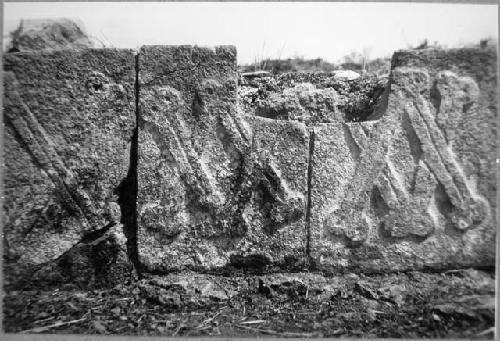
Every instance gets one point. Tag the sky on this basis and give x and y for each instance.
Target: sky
(328, 30)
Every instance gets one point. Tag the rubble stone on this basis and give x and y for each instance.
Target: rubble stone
(303, 103)
(50, 34)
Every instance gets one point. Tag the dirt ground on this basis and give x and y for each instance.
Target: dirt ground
(452, 304)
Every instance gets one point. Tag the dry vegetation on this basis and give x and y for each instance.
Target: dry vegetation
(400, 305)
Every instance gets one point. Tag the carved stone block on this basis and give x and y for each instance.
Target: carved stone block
(69, 118)
(202, 166)
(420, 194)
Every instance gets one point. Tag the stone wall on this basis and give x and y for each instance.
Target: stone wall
(198, 175)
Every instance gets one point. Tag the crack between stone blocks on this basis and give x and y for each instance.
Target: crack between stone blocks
(309, 193)
(128, 188)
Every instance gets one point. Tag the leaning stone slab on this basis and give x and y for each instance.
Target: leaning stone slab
(199, 175)
(421, 193)
(69, 118)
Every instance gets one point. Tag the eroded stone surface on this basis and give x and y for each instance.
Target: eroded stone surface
(303, 103)
(202, 165)
(411, 186)
(336, 155)
(310, 97)
(420, 194)
(96, 261)
(188, 106)
(281, 150)
(50, 34)
(69, 118)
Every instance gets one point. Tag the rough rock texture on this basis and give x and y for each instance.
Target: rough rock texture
(344, 174)
(99, 260)
(190, 154)
(336, 154)
(303, 103)
(280, 188)
(69, 118)
(50, 34)
(422, 193)
(200, 167)
(310, 97)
